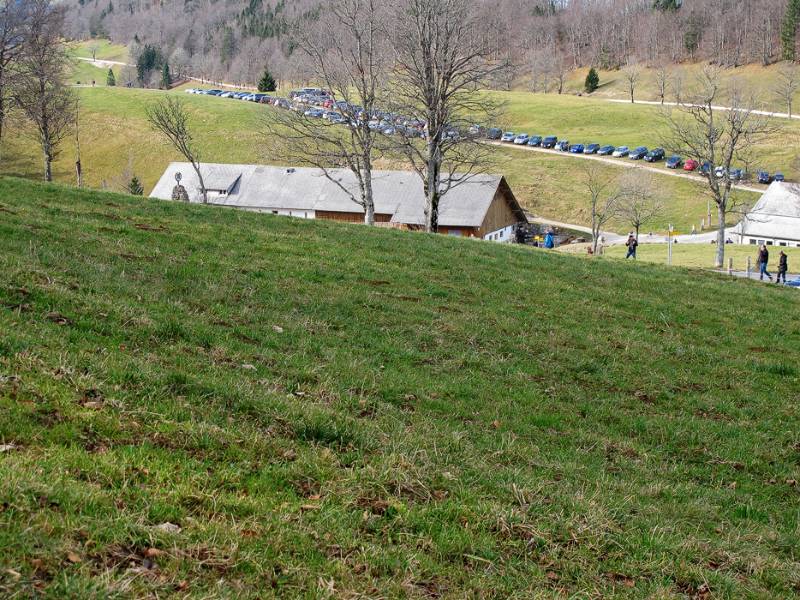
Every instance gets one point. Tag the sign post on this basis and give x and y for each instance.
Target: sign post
(669, 245)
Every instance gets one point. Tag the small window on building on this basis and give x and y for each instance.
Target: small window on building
(502, 233)
(781, 243)
(456, 232)
(769, 242)
(752, 242)
(274, 212)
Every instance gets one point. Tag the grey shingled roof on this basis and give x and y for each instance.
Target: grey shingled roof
(397, 193)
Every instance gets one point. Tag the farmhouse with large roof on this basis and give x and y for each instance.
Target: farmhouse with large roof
(482, 206)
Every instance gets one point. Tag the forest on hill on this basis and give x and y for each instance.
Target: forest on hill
(235, 40)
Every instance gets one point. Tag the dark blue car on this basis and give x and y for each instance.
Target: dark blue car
(778, 177)
(705, 168)
(576, 149)
(549, 141)
(674, 162)
(638, 153)
(763, 177)
(535, 140)
(606, 150)
(654, 155)
(591, 149)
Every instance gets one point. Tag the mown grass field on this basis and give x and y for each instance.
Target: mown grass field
(702, 255)
(199, 402)
(694, 255)
(762, 80)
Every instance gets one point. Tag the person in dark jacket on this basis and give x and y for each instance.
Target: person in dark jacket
(632, 243)
(763, 259)
(783, 266)
(549, 243)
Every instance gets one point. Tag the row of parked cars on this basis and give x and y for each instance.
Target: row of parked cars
(319, 104)
(638, 153)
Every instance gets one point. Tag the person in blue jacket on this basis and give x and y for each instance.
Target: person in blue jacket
(548, 240)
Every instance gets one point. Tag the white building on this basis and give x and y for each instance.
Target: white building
(774, 220)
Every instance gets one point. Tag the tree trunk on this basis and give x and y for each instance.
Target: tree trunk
(369, 200)
(48, 167)
(2, 122)
(719, 259)
(432, 193)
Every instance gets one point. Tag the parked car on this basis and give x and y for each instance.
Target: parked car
(521, 139)
(690, 164)
(736, 174)
(638, 153)
(778, 177)
(719, 172)
(620, 152)
(535, 140)
(705, 168)
(591, 149)
(763, 177)
(213, 92)
(576, 149)
(674, 162)
(508, 136)
(495, 133)
(315, 113)
(226, 95)
(474, 130)
(606, 150)
(191, 90)
(654, 155)
(549, 142)
(562, 145)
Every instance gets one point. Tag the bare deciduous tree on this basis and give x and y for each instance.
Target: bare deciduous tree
(676, 82)
(632, 72)
(639, 202)
(442, 64)
(662, 78)
(349, 54)
(12, 39)
(39, 89)
(603, 196)
(787, 85)
(717, 137)
(170, 117)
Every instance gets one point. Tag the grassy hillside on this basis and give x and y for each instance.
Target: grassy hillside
(199, 402)
(114, 132)
(613, 84)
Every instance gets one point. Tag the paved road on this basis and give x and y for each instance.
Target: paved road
(765, 113)
(790, 278)
(623, 162)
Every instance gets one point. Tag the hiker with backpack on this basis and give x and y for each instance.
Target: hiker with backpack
(783, 266)
(763, 259)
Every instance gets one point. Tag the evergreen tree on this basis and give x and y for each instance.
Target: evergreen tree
(592, 81)
(789, 29)
(166, 78)
(135, 186)
(267, 82)
(110, 79)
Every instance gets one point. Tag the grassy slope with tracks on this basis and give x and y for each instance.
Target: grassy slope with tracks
(331, 409)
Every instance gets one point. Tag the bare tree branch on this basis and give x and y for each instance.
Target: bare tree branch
(39, 88)
(443, 62)
(170, 117)
(349, 55)
(716, 138)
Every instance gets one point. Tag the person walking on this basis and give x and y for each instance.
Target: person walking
(783, 266)
(632, 243)
(763, 259)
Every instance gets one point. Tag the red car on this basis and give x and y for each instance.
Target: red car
(690, 164)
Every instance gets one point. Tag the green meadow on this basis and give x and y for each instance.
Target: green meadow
(198, 402)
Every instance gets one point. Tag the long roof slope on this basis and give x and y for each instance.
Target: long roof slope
(776, 214)
(396, 193)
